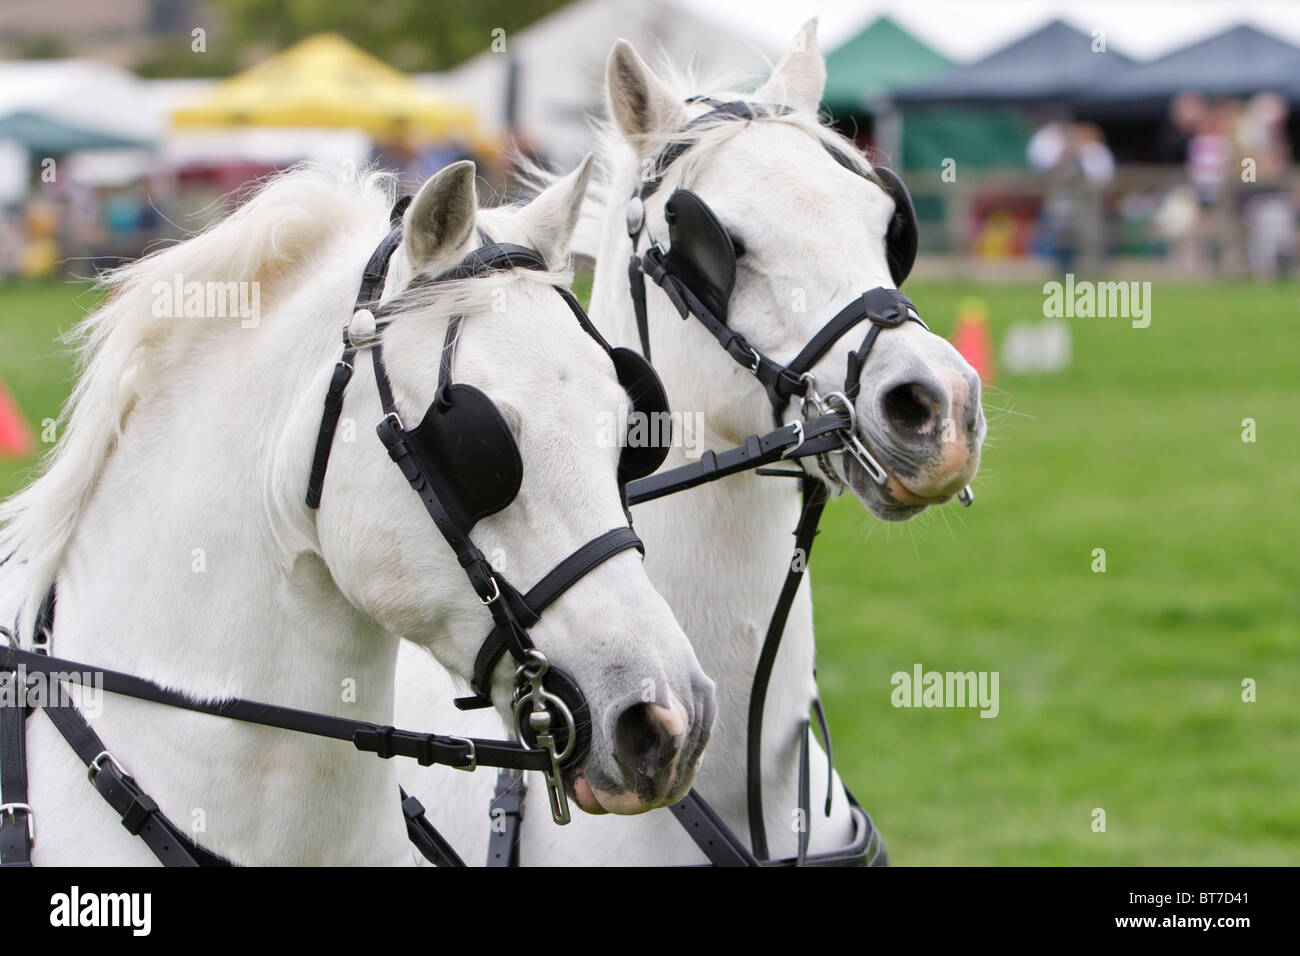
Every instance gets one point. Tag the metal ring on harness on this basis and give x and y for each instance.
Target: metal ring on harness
(541, 703)
(852, 445)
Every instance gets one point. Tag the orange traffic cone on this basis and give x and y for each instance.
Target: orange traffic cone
(16, 438)
(971, 337)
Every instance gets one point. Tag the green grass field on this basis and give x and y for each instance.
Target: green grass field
(1119, 690)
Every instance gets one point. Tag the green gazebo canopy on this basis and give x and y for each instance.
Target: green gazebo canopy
(884, 58)
(45, 135)
(875, 62)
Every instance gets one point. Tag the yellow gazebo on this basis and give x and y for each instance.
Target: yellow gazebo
(326, 81)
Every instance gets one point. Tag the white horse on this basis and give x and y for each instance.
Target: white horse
(172, 516)
(812, 238)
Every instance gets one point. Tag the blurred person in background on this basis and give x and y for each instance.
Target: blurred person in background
(1177, 220)
(40, 252)
(1214, 242)
(1266, 209)
(1187, 111)
(12, 239)
(1079, 167)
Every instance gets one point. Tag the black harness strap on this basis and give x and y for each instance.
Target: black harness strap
(507, 814)
(779, 382)
(17, 828)
(17, 819)
(328, 425)
(140, 814)
(372, 287)
(431, 844)
(382, 740)
(540, 596)
(710, 833)
(824, 728)
(805, 796)
(795, 440)
(814, 501)
(883, 308)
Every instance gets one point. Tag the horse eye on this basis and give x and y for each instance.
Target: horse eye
(738, 244)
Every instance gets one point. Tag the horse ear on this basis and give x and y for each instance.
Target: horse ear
(799, 80)
(550, 218)
(441, 218)
(638, 100)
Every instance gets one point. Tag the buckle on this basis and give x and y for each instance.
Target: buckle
(12, 808)
(473, 754)
(496, 593)
(740, 350)
(798, 430)
(96, 765)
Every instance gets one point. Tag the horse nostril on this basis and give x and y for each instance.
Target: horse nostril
(644, 743)
(912, 409)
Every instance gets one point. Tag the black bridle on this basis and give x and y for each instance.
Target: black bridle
(551, 719)
(698, 270)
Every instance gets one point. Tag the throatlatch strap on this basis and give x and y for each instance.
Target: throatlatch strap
(814, 501)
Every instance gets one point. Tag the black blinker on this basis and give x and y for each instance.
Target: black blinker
(901, 237)
(469, 454)
(702, 253)
(642, 384)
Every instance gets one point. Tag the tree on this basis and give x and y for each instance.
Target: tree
(412, 35)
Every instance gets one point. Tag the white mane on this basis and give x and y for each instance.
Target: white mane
(124, 349)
